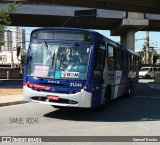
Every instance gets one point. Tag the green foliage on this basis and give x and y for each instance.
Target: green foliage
(23, 57)
(5, 17)
(141, 53)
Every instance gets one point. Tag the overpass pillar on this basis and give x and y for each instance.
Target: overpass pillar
(126, 29)
(128, 39)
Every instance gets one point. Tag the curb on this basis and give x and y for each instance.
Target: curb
(12, 103)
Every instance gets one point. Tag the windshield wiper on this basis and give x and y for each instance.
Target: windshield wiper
(53, 58)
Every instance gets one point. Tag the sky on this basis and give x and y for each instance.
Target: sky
(154, 38)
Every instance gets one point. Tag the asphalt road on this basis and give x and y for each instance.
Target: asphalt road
(138, 115)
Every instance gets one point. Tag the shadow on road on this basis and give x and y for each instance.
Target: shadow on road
(144, 105)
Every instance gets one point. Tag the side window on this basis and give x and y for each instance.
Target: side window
(131, 62)
(99, 59)
(110, 56)
(126, 60)
(137, 63)
(134, 62)
(118, 59)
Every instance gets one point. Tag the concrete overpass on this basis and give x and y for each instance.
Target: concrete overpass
(57, 12)
(144, 6)
(111, 15)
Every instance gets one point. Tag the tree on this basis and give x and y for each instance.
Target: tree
(22, 60)
(141, 53)
(5, 17)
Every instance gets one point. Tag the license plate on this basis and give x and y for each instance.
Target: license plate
(50, 97)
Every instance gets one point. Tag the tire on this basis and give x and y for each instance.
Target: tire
(128, 94)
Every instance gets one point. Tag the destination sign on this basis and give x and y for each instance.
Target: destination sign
(61, 35)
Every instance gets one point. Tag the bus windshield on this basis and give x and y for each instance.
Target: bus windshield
(58, 61)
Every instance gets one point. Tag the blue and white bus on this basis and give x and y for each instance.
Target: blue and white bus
(73, 67)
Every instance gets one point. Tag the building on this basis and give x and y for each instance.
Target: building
(1, 38)
(13, 38)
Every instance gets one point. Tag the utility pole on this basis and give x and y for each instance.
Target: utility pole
(152, 55)
(147, 47)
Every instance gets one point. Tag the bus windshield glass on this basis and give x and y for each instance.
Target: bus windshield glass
(58, 61)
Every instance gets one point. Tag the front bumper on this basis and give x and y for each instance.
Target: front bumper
(81, 99)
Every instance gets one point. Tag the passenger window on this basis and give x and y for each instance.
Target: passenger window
(99, 60)
(130, 62)
(125, 61)
(118, 59)
(110, 58)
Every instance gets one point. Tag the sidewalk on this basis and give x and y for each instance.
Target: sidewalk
(11, 100)
(7, 98)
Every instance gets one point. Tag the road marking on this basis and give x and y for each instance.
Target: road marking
(153, 97)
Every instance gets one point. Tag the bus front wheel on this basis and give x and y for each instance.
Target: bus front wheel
(129, 90)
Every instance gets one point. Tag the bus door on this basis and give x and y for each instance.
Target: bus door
(98, 81)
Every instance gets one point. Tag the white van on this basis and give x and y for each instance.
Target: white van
(148, 72)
